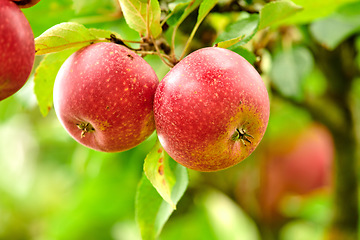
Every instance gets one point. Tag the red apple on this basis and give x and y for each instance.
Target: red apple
(17, 49)
(299, 167)
(307, 166)
(211, 110)
(103, 96)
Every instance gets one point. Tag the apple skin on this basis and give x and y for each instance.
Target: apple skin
(204, 103)
(17, 49)
(302, 168)
(103, 96)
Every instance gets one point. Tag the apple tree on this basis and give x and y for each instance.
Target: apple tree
(185, 119)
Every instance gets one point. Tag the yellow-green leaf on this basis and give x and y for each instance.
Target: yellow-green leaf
(67, 35)
(44, 78)
(152, 210)
(157, 170)
(142, 16)
(230, 42)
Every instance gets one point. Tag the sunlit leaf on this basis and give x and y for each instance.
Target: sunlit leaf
(277, 11)
(45, 77)
(63, 36)
(152, 211)
(157, 170)
(139, 16)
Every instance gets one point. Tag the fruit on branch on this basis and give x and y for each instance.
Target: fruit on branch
(103, 96)
(297, 168)
(17, 49)
(211, 110)
(26, 3)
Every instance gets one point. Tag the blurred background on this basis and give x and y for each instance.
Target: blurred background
(54, 188)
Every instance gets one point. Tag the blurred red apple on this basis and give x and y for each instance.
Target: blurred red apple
(103, 96)
(211, 110)
(298, 167)
(17, 49)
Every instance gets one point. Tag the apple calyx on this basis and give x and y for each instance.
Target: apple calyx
(85, 127)
(240, 134)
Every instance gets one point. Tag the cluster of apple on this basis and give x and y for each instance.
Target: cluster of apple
(210, 111)
(17, 46)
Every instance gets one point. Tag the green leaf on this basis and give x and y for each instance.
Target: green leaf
(244, 28)
(245, 53)
(44, 78)
(205, 8)
(290, 67)
(138, 16)
(151, 210)
(331, 31)
(181, 10)
(65, 35)
(274, 12)
(157, 170)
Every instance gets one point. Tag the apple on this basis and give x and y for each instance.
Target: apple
(299, 168)
(307, 166)
(26, 3)
(103, 96)
(17, 49)
(211, 110)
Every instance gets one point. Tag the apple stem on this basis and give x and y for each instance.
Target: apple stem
(85, 127)
(241, 135)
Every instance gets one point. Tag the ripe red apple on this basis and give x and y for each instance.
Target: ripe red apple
(103, 96)
(211, 110)
(26, 3)
(300, 167)
(17, 49)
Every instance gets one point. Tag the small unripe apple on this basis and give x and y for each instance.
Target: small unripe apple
(26, 3)
(211, 110)
(17, 49)
(103, 96)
